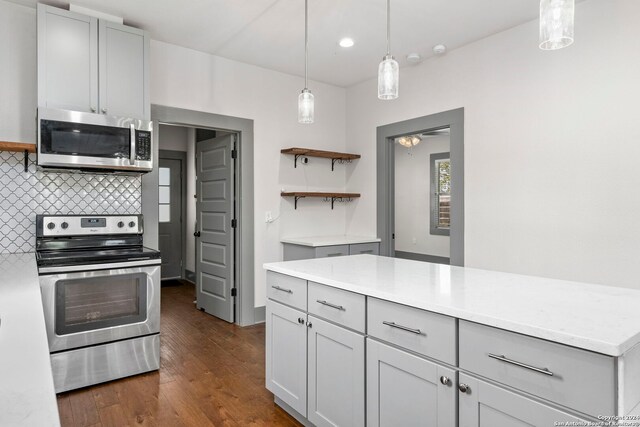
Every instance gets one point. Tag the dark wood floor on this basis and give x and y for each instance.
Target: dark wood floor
(211, 373)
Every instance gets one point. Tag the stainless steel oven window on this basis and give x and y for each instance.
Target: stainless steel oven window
(87, 304)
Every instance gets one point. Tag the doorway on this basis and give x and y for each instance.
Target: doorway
(422, 196)
(444, 216)
(234, 254)
(172, 212)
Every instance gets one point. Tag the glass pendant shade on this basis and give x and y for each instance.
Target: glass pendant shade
(305, 107)
(388, 78)
(409, 141)
(556, 23)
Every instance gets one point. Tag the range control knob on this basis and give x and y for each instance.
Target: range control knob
(51, 226)
(120, 224)
(64, 225)
(132, 224)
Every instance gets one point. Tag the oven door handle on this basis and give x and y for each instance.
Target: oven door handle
(132, 142)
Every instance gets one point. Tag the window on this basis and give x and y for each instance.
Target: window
(164, 196)
(440, 194)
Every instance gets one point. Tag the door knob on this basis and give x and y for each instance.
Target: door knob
(464, 388)
(196, 234)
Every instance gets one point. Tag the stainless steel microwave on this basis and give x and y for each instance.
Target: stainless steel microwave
(75, 140)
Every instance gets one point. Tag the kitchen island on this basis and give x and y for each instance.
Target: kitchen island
(27, 396)
(393, 341)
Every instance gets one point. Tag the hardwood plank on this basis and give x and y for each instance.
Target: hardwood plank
(83, 407)
(64, 409)
(113, 416)
(105, 395)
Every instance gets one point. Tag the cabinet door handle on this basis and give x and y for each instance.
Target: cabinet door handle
(404, 328)
(104, 111)
(464, 388)
(445, 380)
(93, 109)
(328, 304)
(278, 288)
(501, 358)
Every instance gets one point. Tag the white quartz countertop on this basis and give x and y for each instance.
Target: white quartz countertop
(27, 396)
(602, 319)
(317, 241)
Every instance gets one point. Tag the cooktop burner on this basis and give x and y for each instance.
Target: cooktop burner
(99, 256)
(75, 240)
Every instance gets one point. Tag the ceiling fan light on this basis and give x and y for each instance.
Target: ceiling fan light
(388, 78)
(556, 23)
(305, 107)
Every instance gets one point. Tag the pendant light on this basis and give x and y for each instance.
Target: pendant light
(556, 23)
(305, 99)
(388, 73)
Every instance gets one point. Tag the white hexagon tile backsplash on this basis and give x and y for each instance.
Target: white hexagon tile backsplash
(23, 195)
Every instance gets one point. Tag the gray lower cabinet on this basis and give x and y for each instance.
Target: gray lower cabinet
(336, 392)
(92, 65)
(485, 405)
(292, 252)
(286, 355)
(407, 390)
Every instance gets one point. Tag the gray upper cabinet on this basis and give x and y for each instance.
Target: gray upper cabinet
(91, 65)
(67, 60)
(124, 70)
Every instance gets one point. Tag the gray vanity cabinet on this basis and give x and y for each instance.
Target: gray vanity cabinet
(407, 390)
(91, 65)
(484, 405)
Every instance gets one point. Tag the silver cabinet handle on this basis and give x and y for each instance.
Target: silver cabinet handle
(93, 109)
(328, 304)
(464, 388)
(445, 380)
(132, 144)
(278, 288)
(104, 111)
(404, 328)
(501, 358)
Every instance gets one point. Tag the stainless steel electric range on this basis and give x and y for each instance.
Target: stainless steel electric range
(101, 297)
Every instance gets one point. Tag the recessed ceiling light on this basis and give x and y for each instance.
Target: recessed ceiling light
(439, 49)
(346, 42)
(414, 58)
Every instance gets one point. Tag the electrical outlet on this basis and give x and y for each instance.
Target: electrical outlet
(268, 218)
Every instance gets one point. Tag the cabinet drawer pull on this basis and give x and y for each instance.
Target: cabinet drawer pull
(501, 358)
(328, 304)
(404, 328)
(278, 288)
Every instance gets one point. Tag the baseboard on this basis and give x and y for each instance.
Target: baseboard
(259, 314)
(190, 276)
(422, 257)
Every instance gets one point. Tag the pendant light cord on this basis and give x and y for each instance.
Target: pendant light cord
(388, 27)
(306, 43)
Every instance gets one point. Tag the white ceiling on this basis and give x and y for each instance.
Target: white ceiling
(270, 33)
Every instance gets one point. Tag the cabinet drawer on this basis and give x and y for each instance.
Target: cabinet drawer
(568, 376)
(329, 251)
(287, 290)
(364, 248)
(424, 332)
(342, 307)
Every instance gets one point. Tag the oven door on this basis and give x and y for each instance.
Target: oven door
(96, 307)
(70, 139)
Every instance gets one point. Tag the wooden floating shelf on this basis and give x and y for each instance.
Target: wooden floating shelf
(19, 147)
(310, 152)
(332, 197)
